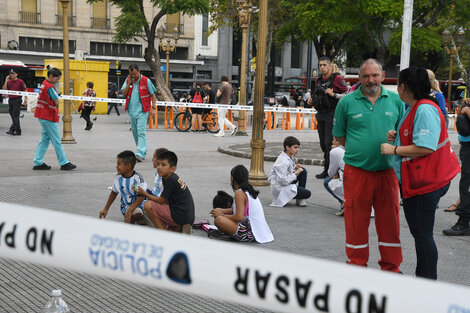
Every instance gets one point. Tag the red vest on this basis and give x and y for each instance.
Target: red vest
(421, 175)
(46, 109)
(144, 94)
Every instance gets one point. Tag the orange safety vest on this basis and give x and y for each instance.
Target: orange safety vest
(46, 109)
(144, 94)
(421, 175)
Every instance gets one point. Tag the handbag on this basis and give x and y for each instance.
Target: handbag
(463, 125)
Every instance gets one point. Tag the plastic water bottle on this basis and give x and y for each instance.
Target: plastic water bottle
(56, 304)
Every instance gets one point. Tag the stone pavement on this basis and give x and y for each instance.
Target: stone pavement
(312, 231)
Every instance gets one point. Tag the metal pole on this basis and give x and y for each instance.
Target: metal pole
(67, 117)
(309, 65)
(449, 87)
(168, 65)
(257, 176)
(242, 114)
(406, 34)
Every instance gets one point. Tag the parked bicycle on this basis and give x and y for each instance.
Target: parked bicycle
(209, 121)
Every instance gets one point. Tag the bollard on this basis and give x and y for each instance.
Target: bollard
(153, 119)
(168, 117)
(299, 121)
(313, 122)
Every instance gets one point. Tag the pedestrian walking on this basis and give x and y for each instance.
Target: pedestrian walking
(88, 106)
(224, 93)
(462, 227)
(424, 163)
(362, 119)
(139, 101)
(324, 100)
(113, 94)
(14, 83)
(47, 112)
(197, 95)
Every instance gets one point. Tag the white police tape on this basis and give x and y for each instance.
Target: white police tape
(173, 104)
(232, 272)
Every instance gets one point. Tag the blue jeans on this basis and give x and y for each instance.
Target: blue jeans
(49, 133)
(302, 192)
(139, 127)
(419, 213)
(325, 183)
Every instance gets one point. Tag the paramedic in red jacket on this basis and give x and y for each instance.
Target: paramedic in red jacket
(425, 163)
(139, 101)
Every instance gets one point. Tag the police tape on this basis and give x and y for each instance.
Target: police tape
(173, 104)
(232, 272)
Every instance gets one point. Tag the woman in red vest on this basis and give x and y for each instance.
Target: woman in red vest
(425, 163)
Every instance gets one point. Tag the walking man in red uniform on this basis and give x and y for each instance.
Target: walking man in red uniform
(362, 119)
(14, 102)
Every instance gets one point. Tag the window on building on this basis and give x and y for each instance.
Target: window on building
(172, 21)
(60, 13)
(45, 45)
(114, 49)
(28, 13)
(205, 29)
(99, 19)
(296, 54)
(181, 53)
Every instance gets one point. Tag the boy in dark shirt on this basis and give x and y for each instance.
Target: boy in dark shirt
(174, 209)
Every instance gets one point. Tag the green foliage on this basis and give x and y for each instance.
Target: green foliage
(423, 40)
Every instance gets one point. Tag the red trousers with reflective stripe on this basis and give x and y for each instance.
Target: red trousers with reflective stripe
(362, 190)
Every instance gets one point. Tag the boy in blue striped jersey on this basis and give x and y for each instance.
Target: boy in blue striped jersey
(124, 183)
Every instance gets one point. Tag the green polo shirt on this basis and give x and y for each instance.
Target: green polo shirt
(365, 127)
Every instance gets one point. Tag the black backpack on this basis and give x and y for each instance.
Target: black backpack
(321, 101)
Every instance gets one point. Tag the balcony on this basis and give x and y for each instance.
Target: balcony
(30, 17)
(60, 18)
(170, 26)
(101, 23)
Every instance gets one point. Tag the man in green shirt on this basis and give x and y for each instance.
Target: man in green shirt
(361, 122)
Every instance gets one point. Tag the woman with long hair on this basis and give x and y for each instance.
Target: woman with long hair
(425, 163)
(437, 93)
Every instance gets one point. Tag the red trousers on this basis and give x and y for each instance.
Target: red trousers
(362, 190)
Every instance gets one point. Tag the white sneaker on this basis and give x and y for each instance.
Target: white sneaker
(301, 202)
(219, 134)
(234, 130)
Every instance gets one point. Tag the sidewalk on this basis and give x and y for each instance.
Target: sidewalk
(312, 231)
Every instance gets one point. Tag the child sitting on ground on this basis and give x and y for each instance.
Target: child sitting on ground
(285, 175)
(222, 200)
(334, 183)
(245, 221)
(174, 208)
(126, 179)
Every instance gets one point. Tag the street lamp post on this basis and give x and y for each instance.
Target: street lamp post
(168, 47)
(244, 16)
(257, 176)
(452, 50)
(67, 117)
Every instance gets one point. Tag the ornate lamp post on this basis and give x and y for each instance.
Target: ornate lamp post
(452, 50)
(67, 117)
(168, 47)
(257, 176)
(244, 16)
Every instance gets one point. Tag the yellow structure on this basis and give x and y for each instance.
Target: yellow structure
(82, 72)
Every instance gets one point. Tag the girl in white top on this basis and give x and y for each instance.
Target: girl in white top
(245, 220)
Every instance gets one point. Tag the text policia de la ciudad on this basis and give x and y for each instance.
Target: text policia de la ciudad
(287, 289)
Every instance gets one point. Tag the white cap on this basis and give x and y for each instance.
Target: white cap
(56, 293)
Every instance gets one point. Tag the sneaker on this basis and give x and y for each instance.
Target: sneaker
(68, 167)
(138, 158)
(217, 234)
(17, 133)
(219, 134)
(322, 175)
(43, 166)
(301, 202)
(10, 132)
(340, 212)
(234, 130)
(461, 228)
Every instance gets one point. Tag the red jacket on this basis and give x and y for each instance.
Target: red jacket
(46, 109)
(421, 175)
(144, 94)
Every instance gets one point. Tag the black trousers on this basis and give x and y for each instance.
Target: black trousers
(110, 107)
(14, 108)
(325, 132)
(464, 186)
(86, 111)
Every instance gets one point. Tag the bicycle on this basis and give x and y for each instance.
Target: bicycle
(183, 121)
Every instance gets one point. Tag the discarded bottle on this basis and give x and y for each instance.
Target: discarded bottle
(56, 304)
